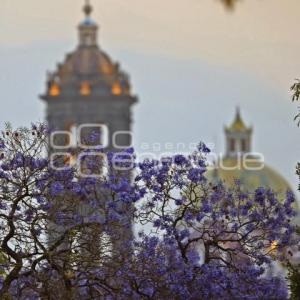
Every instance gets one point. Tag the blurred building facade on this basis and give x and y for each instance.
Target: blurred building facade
(241, 163)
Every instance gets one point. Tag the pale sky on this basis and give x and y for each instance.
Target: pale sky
(257, 36)
(191, 62)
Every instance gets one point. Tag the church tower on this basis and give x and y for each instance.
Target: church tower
(89, 88)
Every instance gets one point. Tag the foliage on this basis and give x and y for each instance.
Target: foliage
(295, 88)
(64, 232)
(294, 279)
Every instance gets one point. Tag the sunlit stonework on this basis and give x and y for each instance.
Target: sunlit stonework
(116, 89)
(54, 89)
(85, 89)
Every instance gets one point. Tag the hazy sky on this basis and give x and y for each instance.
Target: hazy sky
(190, 61)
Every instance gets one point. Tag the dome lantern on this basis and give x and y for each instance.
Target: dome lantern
(88, 71)
(238, 137)
(88, 28)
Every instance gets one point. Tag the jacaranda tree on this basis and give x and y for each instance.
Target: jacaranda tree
(62, 234)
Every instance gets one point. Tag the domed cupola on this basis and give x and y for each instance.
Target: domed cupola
(88, 70)
(88, 28)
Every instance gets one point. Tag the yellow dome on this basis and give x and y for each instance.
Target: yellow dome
(252, 174)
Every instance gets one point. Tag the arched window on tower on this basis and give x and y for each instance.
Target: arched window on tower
(244, 145)
(116, 88)
(232, 145)
(88, 40)
(54, 89)
(85, 88)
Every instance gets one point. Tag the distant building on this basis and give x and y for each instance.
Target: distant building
(240, 163)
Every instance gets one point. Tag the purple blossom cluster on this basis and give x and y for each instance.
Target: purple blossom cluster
(67, 236)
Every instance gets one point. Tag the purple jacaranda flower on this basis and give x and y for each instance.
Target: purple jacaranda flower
(56, 188)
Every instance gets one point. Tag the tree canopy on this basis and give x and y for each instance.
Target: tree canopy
(63, 234)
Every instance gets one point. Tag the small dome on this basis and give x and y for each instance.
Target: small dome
(86, 61)
(90, 65)
(88, 70)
